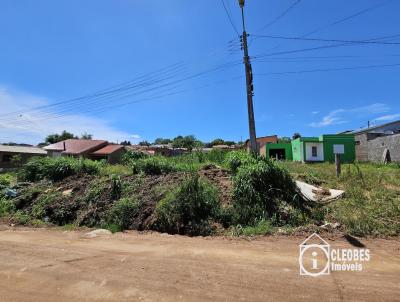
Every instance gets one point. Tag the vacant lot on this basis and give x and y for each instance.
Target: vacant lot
(51, 265)
(201, 194)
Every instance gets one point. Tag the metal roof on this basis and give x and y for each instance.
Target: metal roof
(373, 128)
(22, 149)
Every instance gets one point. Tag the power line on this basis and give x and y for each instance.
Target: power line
(327, 40)
(147, 80)
(229, 17)
(319, 47)
(283, 14)
(361, 12)
(107, 99)
(166, 93)
(341, 20)
(328, 69)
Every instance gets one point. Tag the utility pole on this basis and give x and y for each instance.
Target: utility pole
(249, 85)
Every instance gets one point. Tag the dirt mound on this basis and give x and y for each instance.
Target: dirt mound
(87, 200)
(220, 178)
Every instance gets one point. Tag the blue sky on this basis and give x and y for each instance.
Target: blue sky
(52, 51)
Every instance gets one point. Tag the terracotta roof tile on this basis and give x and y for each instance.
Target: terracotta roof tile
(108, 150)
(77, 146)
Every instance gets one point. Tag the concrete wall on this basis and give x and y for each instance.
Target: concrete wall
(348, 142)
(377, 146)
(361, 147)
(297, 148)
(308, 151)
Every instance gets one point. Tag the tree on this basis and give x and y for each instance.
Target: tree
(144, 143)
(284, 139)
(188, 142)
(217, 141)
(126, 143)
(296, 135)
(55, 138)
(86, 136)
(162, 141)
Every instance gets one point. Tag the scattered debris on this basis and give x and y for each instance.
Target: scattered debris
(330, 225)
(321, 193)
(10, 192)
(67, 192)
(312, 193)
(96, 233)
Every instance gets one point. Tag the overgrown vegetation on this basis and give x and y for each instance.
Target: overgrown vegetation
(371, 205)
(167, 194)
(56, 169)
(122, 214)
(189, 209)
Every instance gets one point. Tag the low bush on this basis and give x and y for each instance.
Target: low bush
(7, 206)
(188, 209)
(236, 159)
(131, 156)
(260, 188)
(259, 228)
(57, 168)
(116, 187)
(6, 179)
(122, 214)
(20, 217)
(40, 205)
(153, 166)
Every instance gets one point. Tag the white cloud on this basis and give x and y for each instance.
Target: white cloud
(331, 119)
(386, 118)
(28, 128)
(314, 112)
(341, 116)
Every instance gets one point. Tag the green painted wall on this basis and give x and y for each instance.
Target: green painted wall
(339, 139)
(297, 146)
(286, 146)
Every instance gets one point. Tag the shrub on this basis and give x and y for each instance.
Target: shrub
(131, 156)
(21, 217)
(238, 158)
(6, 206)
(189, 208)
(57, 168)
(259, 189)
(90, 166)
(5, 179)
(260, 228)
(116, 187)
(39, 208)
(153, 166)
(122, 214)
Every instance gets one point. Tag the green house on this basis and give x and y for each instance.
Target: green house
(281, 151)
(320, 149)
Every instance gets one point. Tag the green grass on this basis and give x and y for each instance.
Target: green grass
(371, 205)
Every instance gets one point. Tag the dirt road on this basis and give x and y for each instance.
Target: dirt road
(52, 265)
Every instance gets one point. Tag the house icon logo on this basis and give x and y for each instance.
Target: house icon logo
(314, 256)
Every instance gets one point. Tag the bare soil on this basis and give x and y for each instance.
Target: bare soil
(54, 265)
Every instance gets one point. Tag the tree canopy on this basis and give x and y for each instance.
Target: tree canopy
(55, 137)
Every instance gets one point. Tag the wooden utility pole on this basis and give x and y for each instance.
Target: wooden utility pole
(249, 86)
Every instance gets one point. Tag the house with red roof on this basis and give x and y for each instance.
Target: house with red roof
(86, 148)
